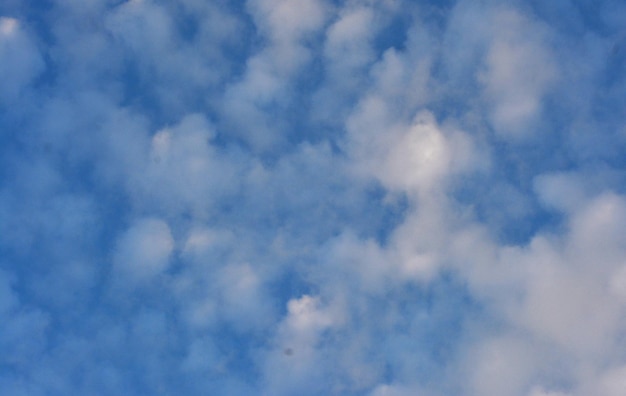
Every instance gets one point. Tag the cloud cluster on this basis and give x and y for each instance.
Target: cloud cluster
(312, 197)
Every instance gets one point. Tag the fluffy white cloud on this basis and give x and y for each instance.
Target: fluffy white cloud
(296, 362)
(561, 289)
(183, 171)
(348, 47)
(519, 71)
(285, 22)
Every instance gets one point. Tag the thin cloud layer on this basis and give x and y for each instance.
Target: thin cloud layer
(312, 197)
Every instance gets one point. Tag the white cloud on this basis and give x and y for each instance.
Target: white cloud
(501, 366)
(347, 53)
(244, 103)
(142, 25)
(265, 86)
(613, 382)
(405, 76)
(347, 45)
(20, 60)
(243, 298)
(296, 362)
(202, 240)
(508, 54)
(286, 22)
(519, 71)
(179, 169)
(143, 251)
(363, 261)
(561, 191)
(565, 290)
(537, 391)
(416, 157)
(566, 306)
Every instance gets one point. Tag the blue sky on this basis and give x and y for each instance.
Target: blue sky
(310, 197)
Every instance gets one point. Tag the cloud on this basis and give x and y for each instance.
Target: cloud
(307, 197)
(143, 251)
(183, 170)
(20, 60)
(296, 362)
(347, 45)
(266, 86)
(287, 21)
(556, 288)
(23, 334)
(519, 71)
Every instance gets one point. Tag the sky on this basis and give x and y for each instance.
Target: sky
(313, 197)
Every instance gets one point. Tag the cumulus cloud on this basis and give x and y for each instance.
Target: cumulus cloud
(519, 69)
(309, 197)
(297, 360)
(143, 251)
